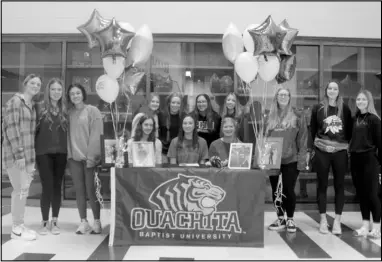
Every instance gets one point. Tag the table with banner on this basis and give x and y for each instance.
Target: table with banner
(187, 206)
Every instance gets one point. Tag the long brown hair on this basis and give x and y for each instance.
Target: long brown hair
(370, 103)
(287, 118)
(339, 100)
(237, 109)
(45, 111)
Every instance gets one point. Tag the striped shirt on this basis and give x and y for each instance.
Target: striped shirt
(19, 127)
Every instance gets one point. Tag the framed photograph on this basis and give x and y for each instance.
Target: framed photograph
(271, 158)
(108, 151)
(240, 156)
(143, 154)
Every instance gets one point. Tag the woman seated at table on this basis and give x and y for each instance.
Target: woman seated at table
(145, 131)
(220, 147)
(188, 147)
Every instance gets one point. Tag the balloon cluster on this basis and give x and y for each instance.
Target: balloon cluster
(119, 43)
(267, 51)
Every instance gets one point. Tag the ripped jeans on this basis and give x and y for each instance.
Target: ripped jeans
(20, 181)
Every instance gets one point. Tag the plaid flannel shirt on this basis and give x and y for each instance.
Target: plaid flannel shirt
(19, 127)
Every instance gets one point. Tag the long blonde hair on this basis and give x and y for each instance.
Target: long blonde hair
(370, 103)
(286, 118)
(339, 100)
(238, 111)
(45, 111)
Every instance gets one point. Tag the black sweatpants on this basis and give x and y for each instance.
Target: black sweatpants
(365, 170)
(51, 168)
(289, 178)
(339, 163)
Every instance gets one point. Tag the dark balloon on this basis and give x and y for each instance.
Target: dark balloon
(94, 24)
(226, 84)
(289, 38)
(267, 37)
(287, 68)
(113, 39)
(131, 81)
(215, 83)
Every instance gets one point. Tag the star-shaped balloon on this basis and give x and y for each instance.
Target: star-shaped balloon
(267, 37)
(94, 24)
(113, 39)
(289, 38)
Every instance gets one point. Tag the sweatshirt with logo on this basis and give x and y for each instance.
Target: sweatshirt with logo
(329, 126)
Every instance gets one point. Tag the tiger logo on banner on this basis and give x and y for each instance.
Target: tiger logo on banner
(187, 193)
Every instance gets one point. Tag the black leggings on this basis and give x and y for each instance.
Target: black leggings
(365, 170)
(51, 168)
(289, 177)
(339, 163)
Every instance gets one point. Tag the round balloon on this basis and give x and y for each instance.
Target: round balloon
(246, 66)
(232, 43)
(249, 44)
(269, 66)
(107, 88)
(141, 46)
(113, 65)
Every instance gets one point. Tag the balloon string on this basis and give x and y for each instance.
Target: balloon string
(112, 120)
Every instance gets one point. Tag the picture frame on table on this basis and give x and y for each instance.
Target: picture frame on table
(143, 154)
(271, 157)
(108, 151)
(240, 156)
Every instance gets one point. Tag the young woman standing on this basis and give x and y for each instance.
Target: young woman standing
(331, 128)
(152, 109)
(231, 108)
(51, 152)
(208, 122)
(18, 151)
(365, 156)
(285, 122)
(170, 122)
(84, 153)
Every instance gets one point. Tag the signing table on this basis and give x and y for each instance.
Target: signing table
(187, 206)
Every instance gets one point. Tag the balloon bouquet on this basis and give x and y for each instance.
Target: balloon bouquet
(267, 54)
(121, 48)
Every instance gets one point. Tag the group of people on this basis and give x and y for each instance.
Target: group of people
(59, 132)
(55, 133)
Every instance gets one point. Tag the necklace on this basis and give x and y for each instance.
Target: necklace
(363, 120)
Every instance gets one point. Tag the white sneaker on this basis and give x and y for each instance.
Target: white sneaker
(97, 227)
(324, 227)
(337, 230)
(44, 230)
(22, 232)
(362, 232)
(374, 234)
(83, 228)
(54, 228)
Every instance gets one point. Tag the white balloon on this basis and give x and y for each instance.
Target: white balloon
(114, 66)
(232, 43)
(268, 70)
(249, 44)
(246, 66)
(107, 88)
(141, 46)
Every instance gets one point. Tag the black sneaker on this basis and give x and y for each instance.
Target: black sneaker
(279, 224)
(291, 226)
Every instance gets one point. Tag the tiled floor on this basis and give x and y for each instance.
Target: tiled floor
(306, 243)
